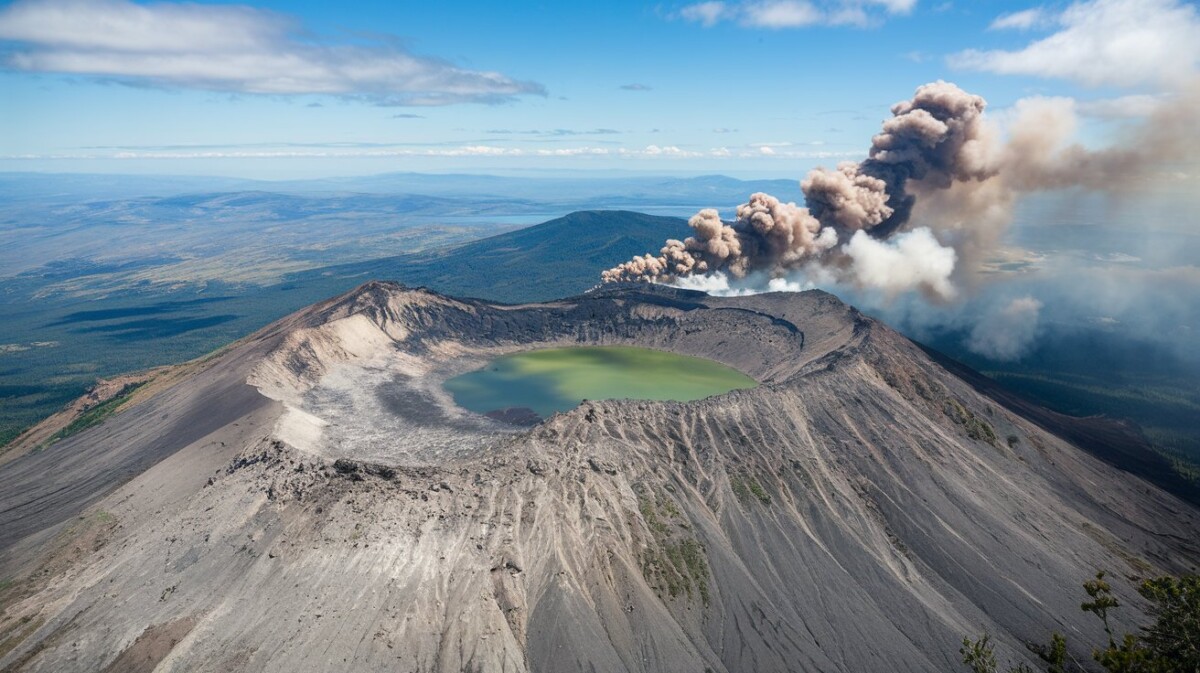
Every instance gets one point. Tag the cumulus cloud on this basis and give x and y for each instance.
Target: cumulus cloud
(230, 48)
(780, 14)
(1105, 42)
(1007, 333)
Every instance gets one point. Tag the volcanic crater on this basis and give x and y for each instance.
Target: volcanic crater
(356, 382)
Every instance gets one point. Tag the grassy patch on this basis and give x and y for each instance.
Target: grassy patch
(740, 490)
(1185, 468)
(975, 427)
(747, 489)
(675, 564)
(9, 433)
(928, 390)
(679, 568)
(97, 414)
(759, 492)
(649, 512)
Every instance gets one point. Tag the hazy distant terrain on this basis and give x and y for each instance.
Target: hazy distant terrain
(82, 237)
(1117, 330)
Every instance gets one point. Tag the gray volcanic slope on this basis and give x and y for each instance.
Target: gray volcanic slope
(310, 499)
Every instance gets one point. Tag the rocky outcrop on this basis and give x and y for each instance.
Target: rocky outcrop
(861, 508)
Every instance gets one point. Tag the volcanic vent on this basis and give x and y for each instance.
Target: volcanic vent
(862, 507)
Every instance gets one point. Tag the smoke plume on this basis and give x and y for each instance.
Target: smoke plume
(929, 203)
(1007, 333)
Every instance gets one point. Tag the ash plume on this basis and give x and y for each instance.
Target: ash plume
(928, 204)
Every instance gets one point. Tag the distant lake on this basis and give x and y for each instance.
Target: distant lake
(516, 387)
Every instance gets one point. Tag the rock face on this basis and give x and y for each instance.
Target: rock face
(326, 507)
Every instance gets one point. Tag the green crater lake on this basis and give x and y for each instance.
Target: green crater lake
(524, 387)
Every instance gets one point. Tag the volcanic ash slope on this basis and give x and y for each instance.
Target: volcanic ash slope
(862, 509)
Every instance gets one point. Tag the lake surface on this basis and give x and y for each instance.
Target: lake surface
(525, 387)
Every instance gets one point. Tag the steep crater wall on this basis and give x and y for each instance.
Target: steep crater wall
(371, 371)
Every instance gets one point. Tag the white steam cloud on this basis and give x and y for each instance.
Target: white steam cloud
(909, 261)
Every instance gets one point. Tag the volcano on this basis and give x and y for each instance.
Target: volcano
(311, 499)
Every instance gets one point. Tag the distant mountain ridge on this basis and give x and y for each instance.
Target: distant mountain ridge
(568, 253)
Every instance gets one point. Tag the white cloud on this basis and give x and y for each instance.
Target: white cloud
(1106, 42)
(895, 6)
(229, 48)
(780, 14)
(704, 13)
(657, 151)
(1024, 20)
(112, 25)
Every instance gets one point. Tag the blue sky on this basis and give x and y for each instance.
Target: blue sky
(276, 90)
